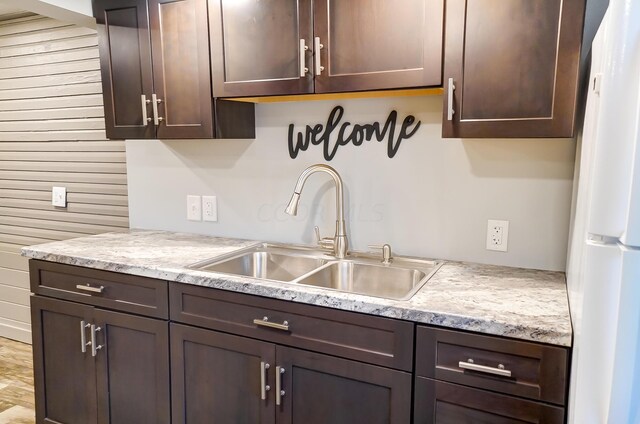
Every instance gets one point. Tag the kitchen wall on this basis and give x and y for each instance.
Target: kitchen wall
(432, 199)
(51, 133)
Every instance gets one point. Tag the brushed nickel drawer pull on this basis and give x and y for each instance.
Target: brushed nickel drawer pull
(264, 322)
(469, 365)
(154, 106)
(317, 46)
(94, 346)
(264, 387)
(303, 60)
(279, 392)
(450, 89)
(145, 102)
(83, 336)
(90, 288)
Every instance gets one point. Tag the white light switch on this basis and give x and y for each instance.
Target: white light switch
(194, 208)
(59, 197)
(209, 208)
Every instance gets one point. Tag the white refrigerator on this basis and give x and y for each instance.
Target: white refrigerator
(603, 269)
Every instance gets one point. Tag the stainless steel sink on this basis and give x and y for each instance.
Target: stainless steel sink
(266, 262)
(360, 273)
(387, 281)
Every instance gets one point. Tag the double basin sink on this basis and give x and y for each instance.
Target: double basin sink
(358, 273)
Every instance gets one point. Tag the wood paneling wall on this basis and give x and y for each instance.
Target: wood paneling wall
(51, 133)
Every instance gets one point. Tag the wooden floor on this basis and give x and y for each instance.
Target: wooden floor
(16, 383)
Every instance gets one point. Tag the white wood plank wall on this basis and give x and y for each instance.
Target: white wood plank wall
(51, 133)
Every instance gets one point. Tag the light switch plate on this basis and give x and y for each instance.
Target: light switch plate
(59, 197)
(210, 208)
(194, 208)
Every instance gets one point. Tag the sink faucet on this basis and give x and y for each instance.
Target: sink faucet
(338, 243)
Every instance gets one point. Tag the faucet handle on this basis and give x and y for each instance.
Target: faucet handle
(386, 252)
(324, 242)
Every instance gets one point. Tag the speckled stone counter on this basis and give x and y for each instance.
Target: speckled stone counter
(519, 303)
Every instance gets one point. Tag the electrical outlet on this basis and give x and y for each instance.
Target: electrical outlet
(59, 197)
(210, 208)
(194, 208)
(497, 235)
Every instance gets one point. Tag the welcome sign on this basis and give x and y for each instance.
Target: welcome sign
(356, 134)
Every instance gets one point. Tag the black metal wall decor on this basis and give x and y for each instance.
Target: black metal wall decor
(357, 134)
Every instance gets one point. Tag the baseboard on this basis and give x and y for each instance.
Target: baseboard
(14, 332)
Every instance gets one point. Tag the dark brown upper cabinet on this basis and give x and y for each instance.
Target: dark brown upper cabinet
(257, 47)
(154, 57)
(125, 63)
(271, 47)
(511, 67)
(377, 44)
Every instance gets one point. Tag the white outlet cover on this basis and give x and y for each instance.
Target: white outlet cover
(210, 208)
(59, 197)
(194, 208)
(497, 235)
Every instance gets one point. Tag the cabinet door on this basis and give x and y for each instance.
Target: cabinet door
(217, 378)
(181, 73)
(132, 368)
(125, 63)
(514, 65)
(378, 44)
(438, 402)
(65, 385)
(321, 389)
(257, 48)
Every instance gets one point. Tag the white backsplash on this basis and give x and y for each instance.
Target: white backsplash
(433, 199)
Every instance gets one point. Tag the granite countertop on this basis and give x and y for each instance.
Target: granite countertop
(520, 303)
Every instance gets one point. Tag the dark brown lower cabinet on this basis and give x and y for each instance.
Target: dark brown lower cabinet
(98, 366)
(437, 402)
(132, 368)
(65, 378)
(98, 360)
(223, 378)
(217, 377)
(319, 389)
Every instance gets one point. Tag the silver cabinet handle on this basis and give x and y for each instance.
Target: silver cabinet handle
(450, 110)
(317, 46)
(145, 102)
(94, 346)
(264, 387)
(279, 392)
(154, 102)
(303, 60)
(469, 365)
(83, 336)
(89, 288)
(264, 322)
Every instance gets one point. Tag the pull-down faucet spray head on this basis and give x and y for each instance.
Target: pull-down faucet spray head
(292, 207)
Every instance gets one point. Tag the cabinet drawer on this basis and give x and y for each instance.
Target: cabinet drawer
(122, 292)
(537, 371)
(437, 402)
(365, 338)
